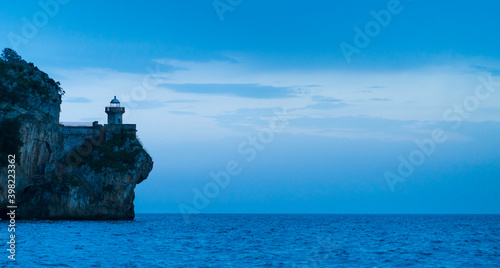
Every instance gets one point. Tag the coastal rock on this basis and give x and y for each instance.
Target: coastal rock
(63, 172)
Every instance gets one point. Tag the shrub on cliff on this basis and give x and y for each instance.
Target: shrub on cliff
(119, 152)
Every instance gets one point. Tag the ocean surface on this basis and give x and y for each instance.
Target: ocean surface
(259, 240)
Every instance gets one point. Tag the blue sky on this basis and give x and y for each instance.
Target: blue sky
(206, 92)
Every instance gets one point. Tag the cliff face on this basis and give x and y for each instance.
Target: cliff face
(63, 172)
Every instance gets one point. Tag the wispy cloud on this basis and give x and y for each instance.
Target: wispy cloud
(360, 127)
(325, 105)
(326, 99)
(238, 90)
(180, 60)
(77, 100)
(380, 99)
(245, 119)
(147, 104)
(180, 101)
(167, 68)
(182, 113)
(491, 70)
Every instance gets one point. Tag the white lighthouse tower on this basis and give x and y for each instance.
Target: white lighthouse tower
(115, 112)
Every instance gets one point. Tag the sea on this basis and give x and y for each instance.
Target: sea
(260, 240)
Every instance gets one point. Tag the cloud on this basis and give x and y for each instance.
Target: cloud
(492, 71)
(360, 127)
(239, 90)
(352, 127)
(180, 101)
(197, 57)
(325, 106)
(181, 113)
(246, 119)
(324, 103)
(375, 128)
(144, 105)
(325, 99)
(380, 99)
(352, 122)
(166, 68)
(77, 100)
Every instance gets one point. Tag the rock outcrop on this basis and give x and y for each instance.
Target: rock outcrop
(62, 172)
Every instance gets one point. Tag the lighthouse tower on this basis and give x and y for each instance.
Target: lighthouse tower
(115, 112)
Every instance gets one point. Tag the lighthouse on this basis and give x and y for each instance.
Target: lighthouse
(115, 112)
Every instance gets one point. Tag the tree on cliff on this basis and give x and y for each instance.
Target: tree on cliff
(22, 78)
(10, 55)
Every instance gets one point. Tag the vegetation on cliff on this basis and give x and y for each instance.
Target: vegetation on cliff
(19, 80)
(118, 152)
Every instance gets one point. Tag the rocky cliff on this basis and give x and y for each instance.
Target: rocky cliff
(62, 172)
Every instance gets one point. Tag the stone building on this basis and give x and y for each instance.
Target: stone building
(75, 134)
(115, 119)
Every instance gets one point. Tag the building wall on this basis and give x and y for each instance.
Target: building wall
(129, 128)
(115, 114)
(75, 136)
(112, 119)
